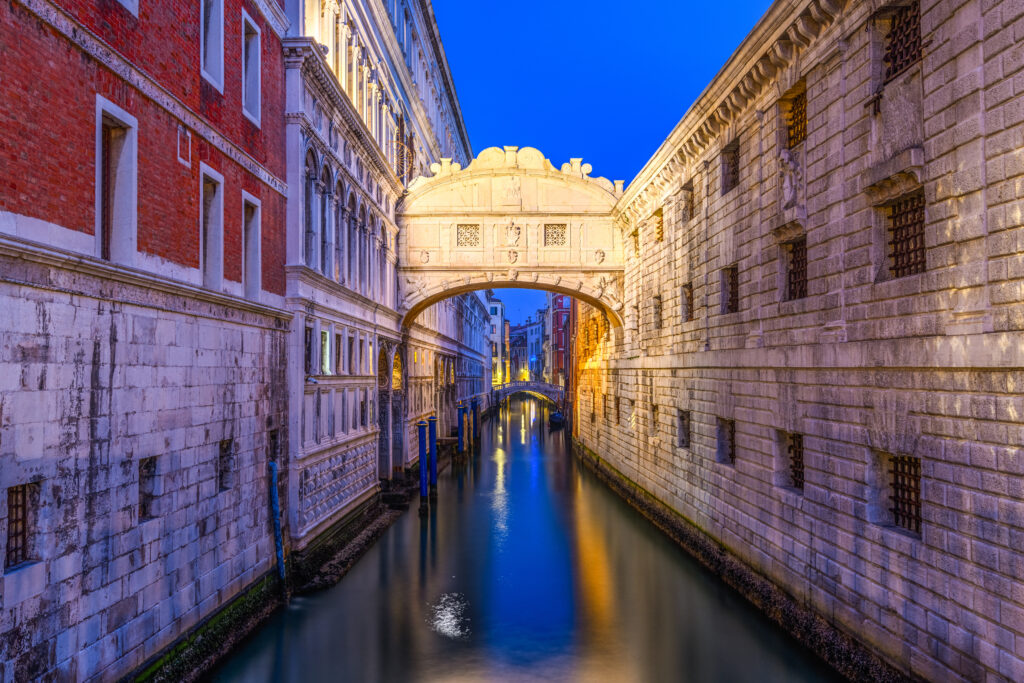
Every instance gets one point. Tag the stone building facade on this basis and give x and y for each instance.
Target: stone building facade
(819, 368)
(142, 291)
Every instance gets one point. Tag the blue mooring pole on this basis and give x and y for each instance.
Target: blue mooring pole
(432, 425)
(462, 439)
(422, 427)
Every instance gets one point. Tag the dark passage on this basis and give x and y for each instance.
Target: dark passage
(528, 569)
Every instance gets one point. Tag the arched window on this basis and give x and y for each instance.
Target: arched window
(324, 189)
(362, 251)
(309, 206)
(339, 231)
(352, 236)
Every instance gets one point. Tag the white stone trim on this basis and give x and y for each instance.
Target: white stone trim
(252, 251)
(256, 117)
(212, 272)
(213, 70)
(275, 16)
(124, 232)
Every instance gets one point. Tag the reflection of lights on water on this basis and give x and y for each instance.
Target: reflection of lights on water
(499, 504)
(522, 428)
(533, 412)
(448, 616)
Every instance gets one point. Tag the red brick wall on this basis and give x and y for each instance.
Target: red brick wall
(47, 149)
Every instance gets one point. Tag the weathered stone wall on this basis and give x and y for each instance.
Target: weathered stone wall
(90, 386)
(868, 364)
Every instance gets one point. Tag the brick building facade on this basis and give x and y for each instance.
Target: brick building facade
(819, 366)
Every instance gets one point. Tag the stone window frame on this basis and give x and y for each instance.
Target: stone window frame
(211, 228)
(729, 282)
(226, 457)
(556, 235)
(730, 165)
(785, 111)
(211, 43)
(689, 201)
(687, 301)
(879, 27)
(782, 475)
(26, 497)
(725, 440)
(657, 312)
(148, 488)
(899, 187)
(252, 247)
(252, 72)
(468, 236)
(684, 428)
(122, 242)
(880, 490)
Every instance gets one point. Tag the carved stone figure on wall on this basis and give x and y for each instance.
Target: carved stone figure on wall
(512, 234)
(599, 255)
(513, 255)
(792, 178)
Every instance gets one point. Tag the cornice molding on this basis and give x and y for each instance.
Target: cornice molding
(275, 16)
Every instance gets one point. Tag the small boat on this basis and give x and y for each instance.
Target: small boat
(556, 419)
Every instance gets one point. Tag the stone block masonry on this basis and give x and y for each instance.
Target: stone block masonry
(830, 389)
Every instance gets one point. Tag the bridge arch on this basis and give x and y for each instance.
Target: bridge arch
(510, 219)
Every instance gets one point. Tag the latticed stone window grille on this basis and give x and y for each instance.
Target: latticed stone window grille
(467, 236)
(906, 235)
(657, 312)
(730, 289)
(796, 269)
(726, 441)
(687, 296)
(554, 235)
(795, 456)
(905, 492)
(21, 504)
(796, 119)
(147, 488)
(683, 429)
(903, 42)
(730, 166)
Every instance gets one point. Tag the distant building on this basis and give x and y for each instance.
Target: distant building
(496, 337)
(557, 338)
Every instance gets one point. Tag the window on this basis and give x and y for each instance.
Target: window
(308, 346)
(903, 42)
(252, 263)
(351, 355)
(654, 418)
(211, 226)
(683, 428)
(906, 235)
(896, 491)
(211, 42)
(362, 408)
(226, 465)
(554, 235)
(618, 416)
(116, 182)
(796, 269)
(251, 88)
(726, 451)
(796, 119)
(687, 301)
(730, 289)
(730, 166)
(793, 445)
(494, 310)
(325, 352)
(147, 489)
(689, 201)
(22, 510)
(273, 445)
(656, 306)
(339, 366)
(467, 236)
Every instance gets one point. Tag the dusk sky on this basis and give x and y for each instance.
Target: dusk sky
(550, 74)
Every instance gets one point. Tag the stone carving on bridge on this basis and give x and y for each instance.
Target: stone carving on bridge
(505, 208)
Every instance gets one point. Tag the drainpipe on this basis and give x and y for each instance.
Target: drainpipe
(275, 508)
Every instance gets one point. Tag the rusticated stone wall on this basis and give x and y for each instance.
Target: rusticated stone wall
(868, 364)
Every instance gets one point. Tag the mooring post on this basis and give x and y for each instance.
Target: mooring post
(476, 418)
(462, 442)
(422, 427)
(432, 424)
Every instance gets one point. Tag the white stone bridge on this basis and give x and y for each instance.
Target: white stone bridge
(552, 392)
(510, 219)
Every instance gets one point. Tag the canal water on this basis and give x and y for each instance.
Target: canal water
(528, 569)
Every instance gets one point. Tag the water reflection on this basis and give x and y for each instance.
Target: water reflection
(528, 569)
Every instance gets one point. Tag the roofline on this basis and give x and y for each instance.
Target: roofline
(446, 73)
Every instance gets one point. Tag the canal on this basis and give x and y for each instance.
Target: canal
(527, 569)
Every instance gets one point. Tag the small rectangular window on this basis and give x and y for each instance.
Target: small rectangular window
(905, 492)
(730, 289)
(362, 408)
(689, 201)
(796, 119)
(618, 414)
(252, 274)
(251, 87)
(796, 269)
(211, 42)
(554, 235)
(656, 310)
(22, 516)
(730, 166)
(308, 351)
(147, 489)
(273, 445)
(211, 228)
(683, 428)
(351, 355)
(325, 352)
(116, 182)
(903, 42)
(339, 366)
(906, 235)
(654, 418)
(226, 465)
(726, 451)
(687, 302)
(467, 235)
(795, 459)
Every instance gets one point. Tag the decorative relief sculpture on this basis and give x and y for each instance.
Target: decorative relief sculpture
(514, 191)
(512, 234)
(599, 255)
(792, 179)
(513, 255)
(424, 256)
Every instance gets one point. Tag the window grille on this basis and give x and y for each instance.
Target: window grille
(796, 119)
(147, 488)
(226, 460)
(657, 312)
(731, 289)
(726, 441)
(554, 235)
(903, 42)
(730, 166)
(796, 273)
(795, 452)
(905, 472)
(688, 313)
(684, 429)
(19, 500)
(467, 236)
(906, 235)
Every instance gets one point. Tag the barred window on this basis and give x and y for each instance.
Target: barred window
(795, 456)
(618, 415)
(658, 225)
(730, 166)
(147, 488)
(22, 508)
(726, 450)
(657, 312)
(467, 236)
(226, 464)
(905, 492)
(903, 42)
(554, 235)
(906, 235)
(687, 297)
(683, 428)
(730, 289)
(796, 269)
(796, 119)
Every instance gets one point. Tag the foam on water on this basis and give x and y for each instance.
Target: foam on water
(448, 616)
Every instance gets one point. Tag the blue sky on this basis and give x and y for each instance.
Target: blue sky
(605, 81)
